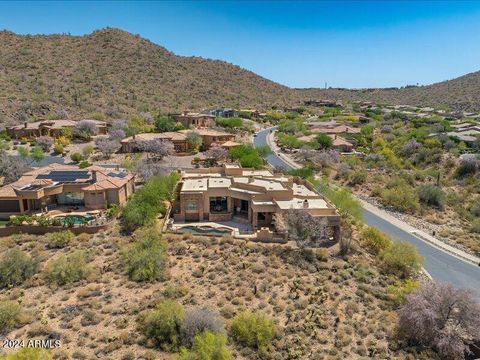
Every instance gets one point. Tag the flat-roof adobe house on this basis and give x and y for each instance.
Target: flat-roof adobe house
(65, 185)
(52, 128)
(247, 195)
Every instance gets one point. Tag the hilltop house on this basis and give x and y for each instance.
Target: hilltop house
(65, 185)
(195, 120)
(52, 128)
(247, 195)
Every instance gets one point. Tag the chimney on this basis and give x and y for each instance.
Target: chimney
(94, 176)
(305, 204)
(251, 179)
(25, 124)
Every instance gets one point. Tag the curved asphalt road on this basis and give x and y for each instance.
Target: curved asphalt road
(440, 265)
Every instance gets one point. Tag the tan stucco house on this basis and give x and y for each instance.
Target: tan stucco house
(52, 128)
(246, 195)
(65, 185)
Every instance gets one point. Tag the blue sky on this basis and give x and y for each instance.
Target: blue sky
(299, 44)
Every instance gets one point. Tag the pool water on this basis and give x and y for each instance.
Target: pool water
(75, 219)
(204, 230)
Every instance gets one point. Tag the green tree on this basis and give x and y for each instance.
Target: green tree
(324, 141)
(149, 201)
(255, 330)
(10, 312)
(374, 240)
(166, 123)
(163, 324)
(401, 259)
(194, 140)
(15, 267)
(68, 269)
(146, 258)
(207, 346)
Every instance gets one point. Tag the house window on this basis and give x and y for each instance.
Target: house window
(70, 198)
(218, 204)
(192, 206)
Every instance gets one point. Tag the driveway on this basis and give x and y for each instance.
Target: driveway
(440, 265)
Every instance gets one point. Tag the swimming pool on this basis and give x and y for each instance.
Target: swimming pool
(73, 219)
(204, 230)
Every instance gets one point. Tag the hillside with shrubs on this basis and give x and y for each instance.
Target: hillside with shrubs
(409, 166)
(133, 292)
(113, 74)
(117, 74)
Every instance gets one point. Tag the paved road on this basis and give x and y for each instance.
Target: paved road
(441, 265)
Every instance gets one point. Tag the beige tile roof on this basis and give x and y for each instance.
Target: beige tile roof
(170, 135)
(104, 180)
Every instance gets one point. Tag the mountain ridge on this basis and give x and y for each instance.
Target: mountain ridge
(119, 74)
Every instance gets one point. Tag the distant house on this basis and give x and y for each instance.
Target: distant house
(211, 136)
(339, 143)
(340, 129)
(52, 128)
(65, 185)
(195, 120)
(319, 103)
(179, 139)
(223, 112)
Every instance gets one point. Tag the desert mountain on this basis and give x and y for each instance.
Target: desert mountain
(117, 73)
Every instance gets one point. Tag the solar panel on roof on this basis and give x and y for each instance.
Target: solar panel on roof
(120, 175)
(65, 176)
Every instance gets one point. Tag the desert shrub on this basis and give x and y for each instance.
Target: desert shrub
(198, 320)
(28, 354)
(87, 150)
(148, 202)
(15, 267)
(442, 317)
(475, 208)
(374, 240)
(231, 123)
(76, 157)
(58, 148)
(431, 195)
(60, 239)
(357, 177)
(401, 259)
(84, 164)
(343, 200)
(10, 312)
(146, 258)
(475, 226)
(399, 290)
(175, 292)
(67, 269)
(45, 143)
(467, 167)
(207, 346)
(400, 196)
(255, 330)
(304, 172)
(163, 324)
